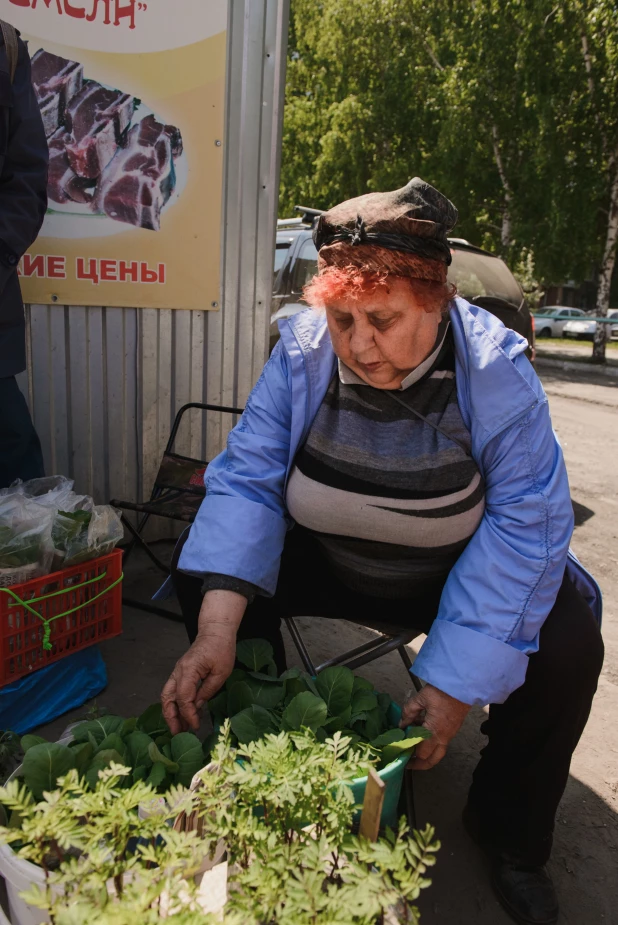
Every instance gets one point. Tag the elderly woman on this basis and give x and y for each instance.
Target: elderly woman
(396, 459)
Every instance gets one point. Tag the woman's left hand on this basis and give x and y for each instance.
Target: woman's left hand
(442, 715)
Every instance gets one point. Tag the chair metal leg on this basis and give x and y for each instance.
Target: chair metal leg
(390, 643)
(300, 646)
(405, 658)
(142, 542)
(359, 650)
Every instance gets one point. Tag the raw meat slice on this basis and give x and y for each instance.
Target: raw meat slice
(141, 178)
(96, 118)
(56, 80)
(64, 185)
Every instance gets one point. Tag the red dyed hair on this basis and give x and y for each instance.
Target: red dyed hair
(352, 283)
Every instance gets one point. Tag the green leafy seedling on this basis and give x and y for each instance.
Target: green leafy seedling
(252, 723)
(255, 654)
(304, 711)
(188, 755)
(334, 686)
(44, 764)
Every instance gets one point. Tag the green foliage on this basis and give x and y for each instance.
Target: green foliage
(105, 862)
(335, 701)
(143, 743)
(494, 102)
(18, 549)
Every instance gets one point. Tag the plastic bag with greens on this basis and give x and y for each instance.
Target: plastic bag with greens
(25, 539)
(89, 534)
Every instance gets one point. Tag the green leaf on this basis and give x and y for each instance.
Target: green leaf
(265, 693)
(217, 706)
(128, 726)
(384, 703)
(388, 737)
(43, 764)
(28, 741)
(357, 718)
(158, 757)
(271, 669)
(239, 698)
(113, 741)
(162, 741)
(268, 678)
(361, 684)
(158, 774)
(255, 654)
(335, 688)
(305, 710)
(363, 701)
(138, 744)
(188, 755)
(101, 761)
(321, 734)
(238, 674)
(353, 736)
(139, 773)
(252, 723)
(373, 725)
(83, 756)
(151, 721)
(336, 723)
(208, 744)
(396, 749)
(99, 729)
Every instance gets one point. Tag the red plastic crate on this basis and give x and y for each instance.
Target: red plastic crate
(86, 602)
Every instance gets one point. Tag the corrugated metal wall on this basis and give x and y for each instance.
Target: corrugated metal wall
(104, 384)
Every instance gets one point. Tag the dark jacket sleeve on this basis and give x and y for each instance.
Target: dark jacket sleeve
(24, 159)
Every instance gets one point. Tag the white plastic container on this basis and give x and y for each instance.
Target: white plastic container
(20, 875)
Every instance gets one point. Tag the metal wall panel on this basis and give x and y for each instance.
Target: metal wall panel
(104, 384)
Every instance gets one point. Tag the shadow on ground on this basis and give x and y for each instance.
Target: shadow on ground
(581, 513)
(585, 856)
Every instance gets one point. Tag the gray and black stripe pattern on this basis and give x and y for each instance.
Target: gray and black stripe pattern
(392, 501)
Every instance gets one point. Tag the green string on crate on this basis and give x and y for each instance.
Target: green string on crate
(45, 597)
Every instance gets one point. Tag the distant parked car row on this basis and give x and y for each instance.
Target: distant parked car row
(560, 321)
(550, 321)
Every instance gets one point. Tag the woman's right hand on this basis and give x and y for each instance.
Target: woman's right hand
(205, 668)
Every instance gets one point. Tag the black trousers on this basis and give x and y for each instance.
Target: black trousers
(524, 768)
(20, 449)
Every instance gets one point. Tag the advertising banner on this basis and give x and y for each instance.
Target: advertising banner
(132, 99)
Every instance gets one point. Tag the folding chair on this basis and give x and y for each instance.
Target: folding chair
(177, 494)
(389, 638)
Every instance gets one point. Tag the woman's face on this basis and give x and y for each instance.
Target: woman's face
(383, 336)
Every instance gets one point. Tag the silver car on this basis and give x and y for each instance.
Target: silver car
(585, 328)
(551, 320)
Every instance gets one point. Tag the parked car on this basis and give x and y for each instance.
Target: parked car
(585, 329)
(550, 320)
(480, 277)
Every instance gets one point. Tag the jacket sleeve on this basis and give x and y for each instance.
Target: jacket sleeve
(23, 175)
(241, 525)
(506, 581)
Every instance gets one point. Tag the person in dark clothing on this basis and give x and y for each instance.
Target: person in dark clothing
(23, 201)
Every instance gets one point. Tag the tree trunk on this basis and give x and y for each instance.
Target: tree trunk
(505, 236)
(607, 269)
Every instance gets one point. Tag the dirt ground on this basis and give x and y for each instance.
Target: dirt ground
(585, 858)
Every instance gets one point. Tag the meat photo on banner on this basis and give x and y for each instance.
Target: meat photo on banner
(132, 100)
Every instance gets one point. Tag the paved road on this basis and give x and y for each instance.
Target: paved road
(585, 857)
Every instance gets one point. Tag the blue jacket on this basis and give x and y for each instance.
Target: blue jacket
(504, 584)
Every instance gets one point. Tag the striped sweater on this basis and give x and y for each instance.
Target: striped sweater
(392, 500)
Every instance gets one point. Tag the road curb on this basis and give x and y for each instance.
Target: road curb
(574, 367)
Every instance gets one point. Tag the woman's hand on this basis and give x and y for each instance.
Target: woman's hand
(205, 668)
(442, 715)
